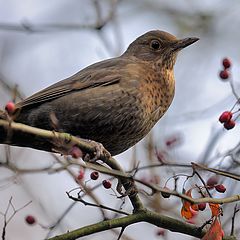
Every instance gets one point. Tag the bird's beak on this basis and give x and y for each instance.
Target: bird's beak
(182, 43)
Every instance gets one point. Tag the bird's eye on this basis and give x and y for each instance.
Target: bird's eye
(155, 44)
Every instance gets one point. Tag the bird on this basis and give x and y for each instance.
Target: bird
(115, 102)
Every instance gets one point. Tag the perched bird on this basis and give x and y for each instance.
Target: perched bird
(115, 102)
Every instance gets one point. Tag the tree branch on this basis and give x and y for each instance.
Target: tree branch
(141, 216)
(64, 141)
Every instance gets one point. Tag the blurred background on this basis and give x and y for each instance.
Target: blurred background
(42, 42)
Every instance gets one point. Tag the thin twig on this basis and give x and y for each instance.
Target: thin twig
(8, 219)
(27, 27)
(78, 199)
(236, 210)
(121, 233)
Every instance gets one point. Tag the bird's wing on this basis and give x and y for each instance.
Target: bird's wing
(104, 73)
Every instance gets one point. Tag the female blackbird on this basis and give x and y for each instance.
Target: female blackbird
(115, 102)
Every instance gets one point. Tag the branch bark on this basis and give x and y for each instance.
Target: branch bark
(141, 216)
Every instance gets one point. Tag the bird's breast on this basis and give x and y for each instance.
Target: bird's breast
(157, 89)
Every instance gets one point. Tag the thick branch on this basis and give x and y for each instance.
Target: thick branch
(142, 216)
(155, 188)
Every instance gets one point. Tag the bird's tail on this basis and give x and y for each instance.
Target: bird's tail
(2, 130)
(3, 116)
(18, 136)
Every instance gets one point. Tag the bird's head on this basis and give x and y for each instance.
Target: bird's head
(158, 46)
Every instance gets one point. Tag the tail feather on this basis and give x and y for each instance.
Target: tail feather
(18, 137)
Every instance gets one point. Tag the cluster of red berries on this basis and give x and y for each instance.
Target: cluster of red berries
(94, 176)
(224, 74)
(212, 182)
(226, 119)
(106, 183)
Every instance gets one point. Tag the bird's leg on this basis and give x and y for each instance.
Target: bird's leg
(99, 152)
(91, 152)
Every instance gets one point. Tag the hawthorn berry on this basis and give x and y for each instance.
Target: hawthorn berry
(94, 175)
(166, 195)
(10, 107)
(161, 232)
(225, 117)
(173, 141)
(220, 188)
(30, 219)
(107, 184)
(212, 181)
(224, 74)
(80, 175)
(229, 125)
(201, 206)
(226, 63)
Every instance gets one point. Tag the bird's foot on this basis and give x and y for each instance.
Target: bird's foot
(129, 186)
(99, 153)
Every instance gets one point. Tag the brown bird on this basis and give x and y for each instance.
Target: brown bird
(115, 102)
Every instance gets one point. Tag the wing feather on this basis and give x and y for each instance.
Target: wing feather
(100, 74)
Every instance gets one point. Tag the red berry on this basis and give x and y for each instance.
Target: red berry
(76, 152)
(212, 181)
(224, 74)
(229, 125)
(107, 184)
(80, 175)
(226, 63)
(173, 141)
(201, 206)
(225, 117)
(166, 195)
(10, 107)
(94, 175)
(220, 188)
(30, 220)
(161, 232)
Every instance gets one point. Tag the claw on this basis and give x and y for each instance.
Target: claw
(98, 153)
